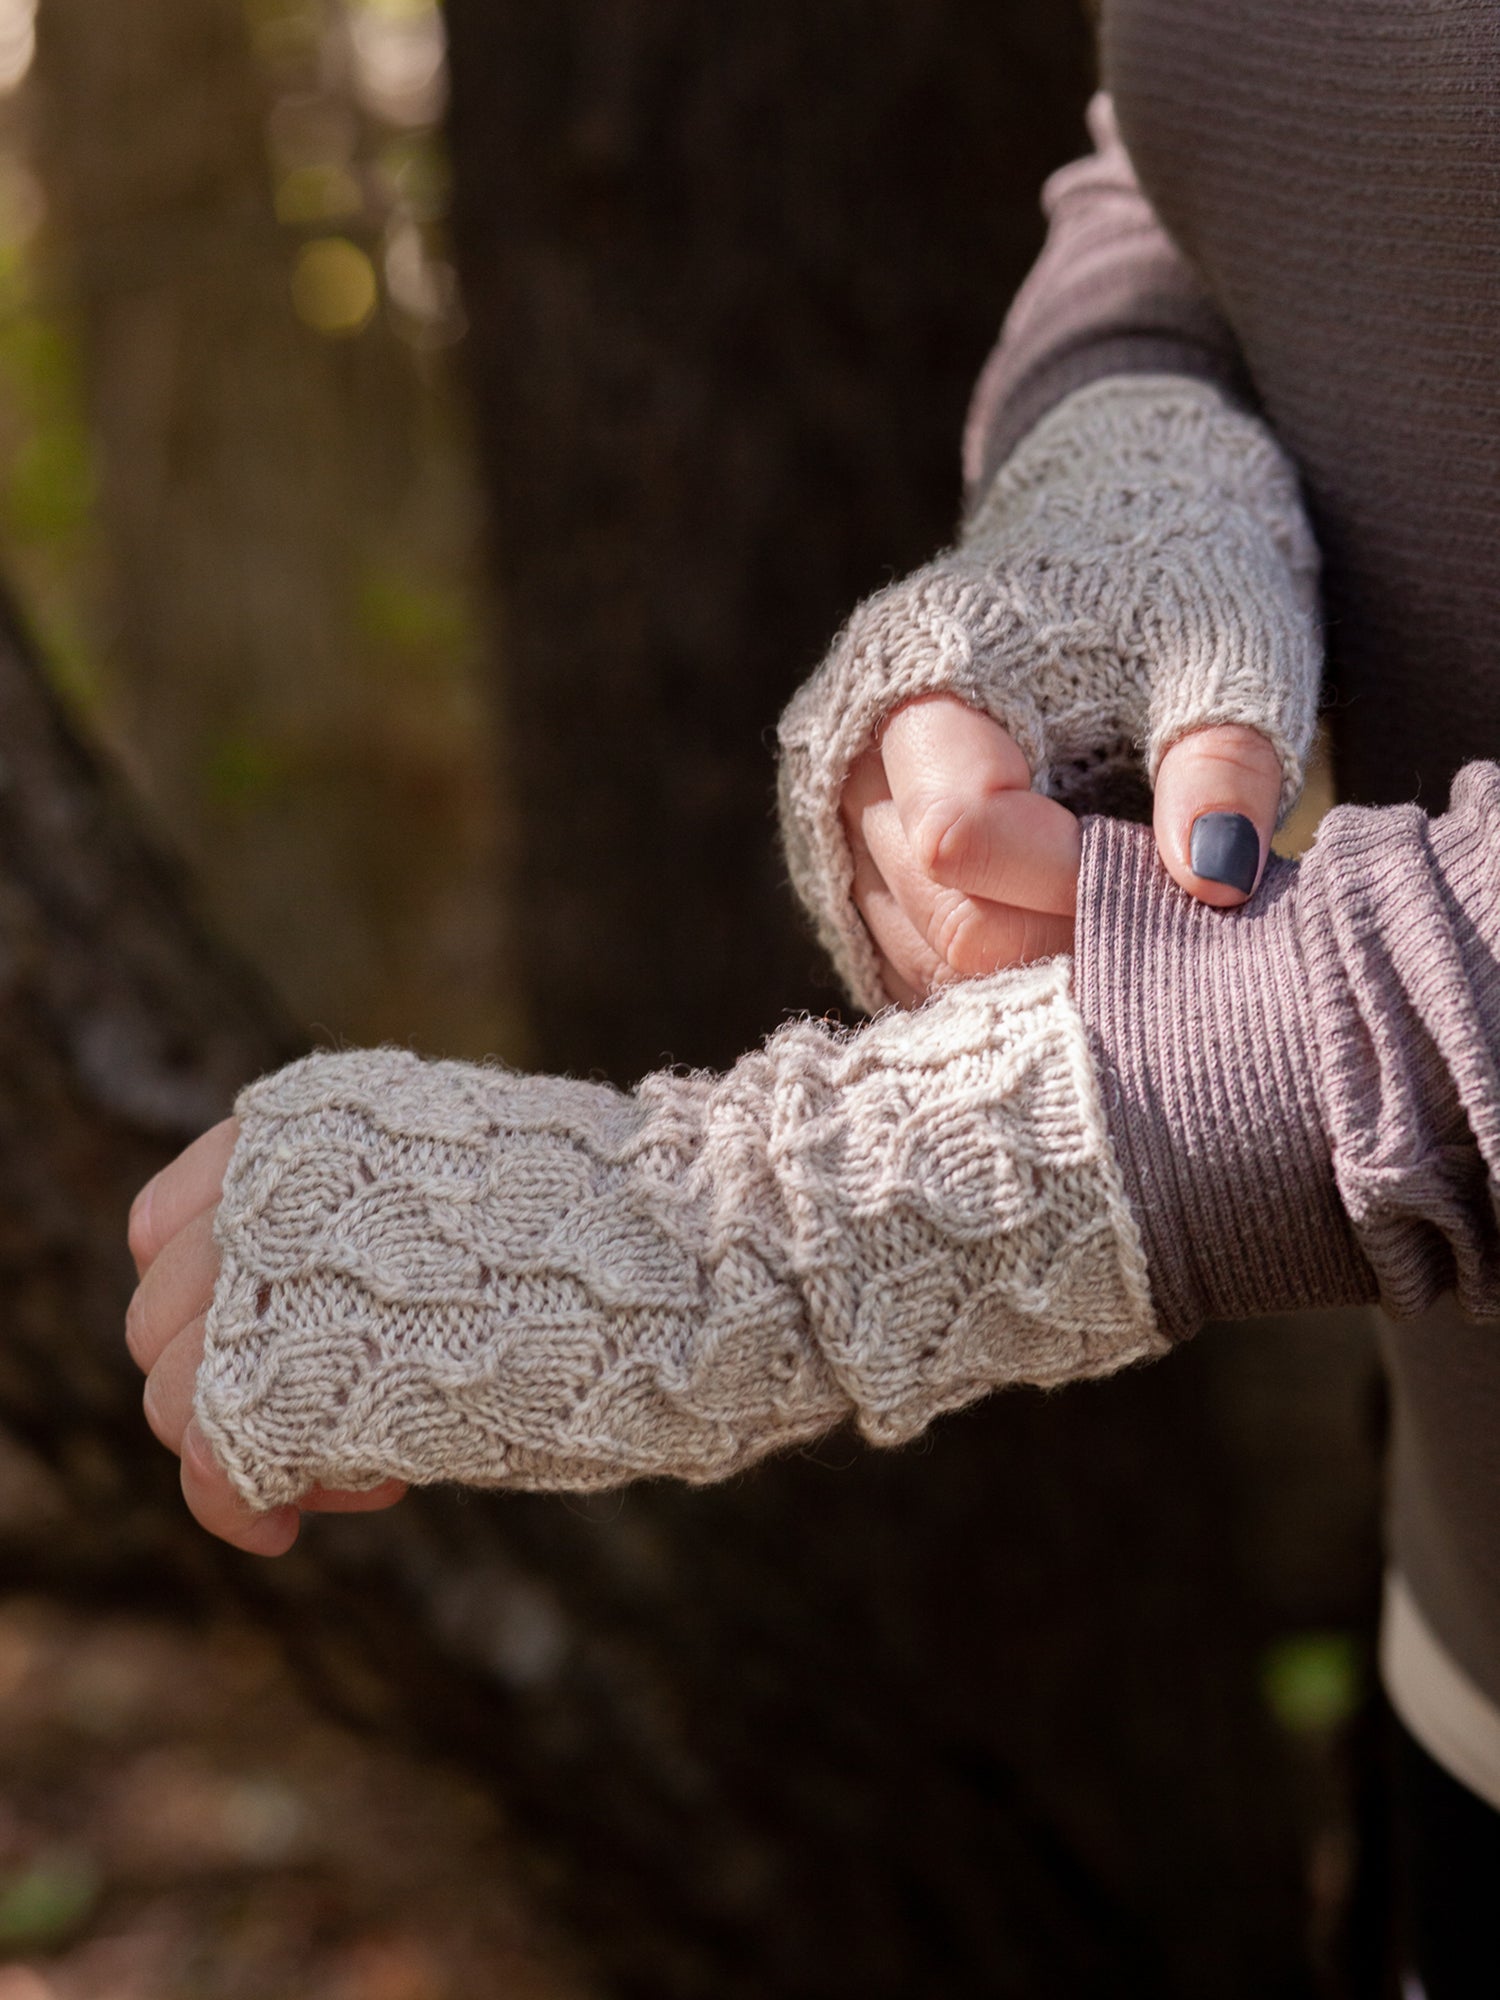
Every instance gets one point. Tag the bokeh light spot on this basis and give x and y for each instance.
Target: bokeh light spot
(399, 49)
(46, 1900)
(334, 287)
(317, 194)
(1312, 1681)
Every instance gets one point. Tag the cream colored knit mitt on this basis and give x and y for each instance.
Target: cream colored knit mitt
(445, 1272)
(1141, 567)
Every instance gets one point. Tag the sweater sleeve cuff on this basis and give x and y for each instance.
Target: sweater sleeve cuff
(1110, 295)
(1200, 1022)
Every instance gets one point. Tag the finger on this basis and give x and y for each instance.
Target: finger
(980, 938)
(169, 1411)
(863, 786)
(988, 937)
(908, 962)
(1217, 794)
(963, 790)
(966, 936)
(955, 731)
(177, 1287)
(323, 1500)
(1017, 848)
(179, 1192)
(926, 935)
(168, 1395)
(217, 1507)
(901, 990)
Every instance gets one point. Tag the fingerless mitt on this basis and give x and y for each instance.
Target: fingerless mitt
(436, 1271)
(1140, 567)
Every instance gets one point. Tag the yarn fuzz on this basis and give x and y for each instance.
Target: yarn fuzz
(437, 1271)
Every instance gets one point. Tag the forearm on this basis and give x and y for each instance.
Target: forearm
(1303, 1093)
(1110, 295)
(1135, 564)
(443, 1272)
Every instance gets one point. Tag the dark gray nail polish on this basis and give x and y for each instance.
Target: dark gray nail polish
(1225, 848)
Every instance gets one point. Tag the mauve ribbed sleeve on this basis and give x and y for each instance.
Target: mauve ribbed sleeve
(1304, 1094)
(1111, 294)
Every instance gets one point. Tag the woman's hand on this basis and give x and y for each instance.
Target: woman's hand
(1133, 604)
(172, 1242)
(960, 869)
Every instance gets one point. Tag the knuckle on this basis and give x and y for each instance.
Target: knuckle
(947, 837)
(1233, 748)
(966, 940)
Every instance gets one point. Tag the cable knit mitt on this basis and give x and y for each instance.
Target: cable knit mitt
(443, 1272)
(1141, 567)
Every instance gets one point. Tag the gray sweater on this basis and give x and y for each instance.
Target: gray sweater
(1305, 1095)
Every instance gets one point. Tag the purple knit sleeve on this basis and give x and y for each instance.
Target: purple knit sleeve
(1304, 1094)
(1109, 295)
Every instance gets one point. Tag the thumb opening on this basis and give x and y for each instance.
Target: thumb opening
(1217, 793)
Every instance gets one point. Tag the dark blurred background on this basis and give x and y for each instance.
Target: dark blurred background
(434, 441)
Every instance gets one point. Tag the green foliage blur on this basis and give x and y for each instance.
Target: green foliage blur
(359, 181)
(238, 506)
(47, 474)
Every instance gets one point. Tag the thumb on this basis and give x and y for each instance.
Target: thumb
(1217, 794)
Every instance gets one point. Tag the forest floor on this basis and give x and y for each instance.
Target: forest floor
(178, 1823)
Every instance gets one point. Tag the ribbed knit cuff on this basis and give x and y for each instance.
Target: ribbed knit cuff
(1007, 407)
(1200, 1022)
(1399, 917)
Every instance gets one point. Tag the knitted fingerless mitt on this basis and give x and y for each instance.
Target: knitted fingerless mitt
(1139, 568)
(442, 1272)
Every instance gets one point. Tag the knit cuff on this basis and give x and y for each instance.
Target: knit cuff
(1400, 923)
(1201, 1025)
(942, 630)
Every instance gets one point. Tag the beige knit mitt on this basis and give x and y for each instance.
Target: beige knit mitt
(444, 1272)
(1141, 567)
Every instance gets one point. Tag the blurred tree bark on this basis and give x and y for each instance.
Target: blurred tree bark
(257, 479)
(731, 273)
(974, 1718)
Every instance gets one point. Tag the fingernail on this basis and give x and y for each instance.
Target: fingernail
(1225, 848)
